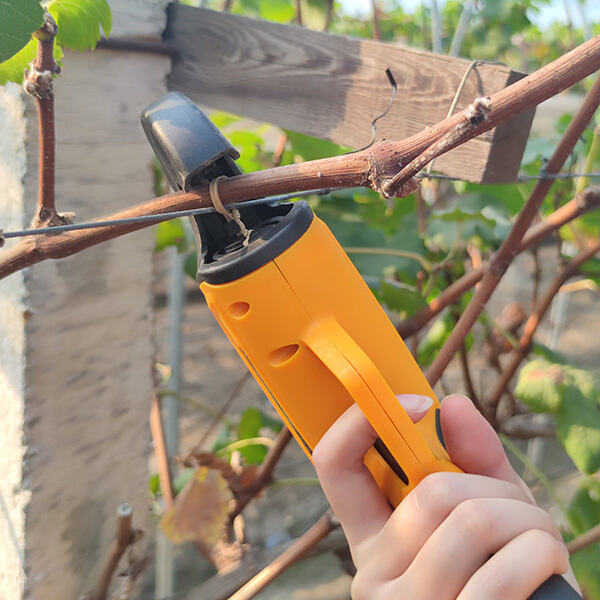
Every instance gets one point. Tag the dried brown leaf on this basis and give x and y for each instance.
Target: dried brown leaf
(199, 512)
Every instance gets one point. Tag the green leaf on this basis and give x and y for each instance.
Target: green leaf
(584, 507)
(571, 395)
(250, 425)
(405, 299)
(550, 355)
(170, 233)
(584, 513)
(13, 69)
(154, 484)
(79, 22)
(433, 340)
(304, 147)
(539, 384)
(586, 566)
(222, 119)
(281, 11)
(471, 218)
(190, 266)
(250, 145)
(20, 18)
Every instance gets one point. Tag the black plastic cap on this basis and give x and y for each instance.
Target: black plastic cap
(191, 150)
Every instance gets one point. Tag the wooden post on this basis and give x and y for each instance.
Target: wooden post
(331, 86)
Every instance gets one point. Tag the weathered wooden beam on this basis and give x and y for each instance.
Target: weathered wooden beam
(331, 87)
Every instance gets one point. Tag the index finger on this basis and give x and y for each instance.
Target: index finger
(357, 501)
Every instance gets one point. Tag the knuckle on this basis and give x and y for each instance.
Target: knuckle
(323, 456)
(434, 491)
(473, 519)
(544, 542)
(499, 584)
(548, 525)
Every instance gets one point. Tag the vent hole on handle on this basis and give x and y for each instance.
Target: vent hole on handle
(282, 355)
(239, 309)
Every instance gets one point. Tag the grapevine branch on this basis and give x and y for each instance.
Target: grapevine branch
(584, 540)
(501, 260)
(535, 319)
(372, 167)
(125, 537)
(588, 200)
(320, 530)
(38, 83)
(265, 472)
(160, 449)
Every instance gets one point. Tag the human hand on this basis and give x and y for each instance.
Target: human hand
(476, 535)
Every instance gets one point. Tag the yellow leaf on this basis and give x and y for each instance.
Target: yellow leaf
(200, 510)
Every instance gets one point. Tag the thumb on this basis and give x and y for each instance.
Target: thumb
(473, 444)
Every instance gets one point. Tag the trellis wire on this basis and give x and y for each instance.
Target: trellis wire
(158, 217)
(167, 216)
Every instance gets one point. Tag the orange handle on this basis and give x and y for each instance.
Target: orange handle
(350, 365)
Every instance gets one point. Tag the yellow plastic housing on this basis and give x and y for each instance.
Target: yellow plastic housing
(316, 340)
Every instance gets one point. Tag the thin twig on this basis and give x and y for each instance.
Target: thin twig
(125, 536)
(279, 149)
(235, 392)
(299, 13)
(537, 274)
(526, 427)
(584, 540)
(466, 372)
(160, 449)
(227, 6)
(535, 319)
(473, 116)
(264, 474)
(38, 83)
(375, 19)
(329, 15)
(371, 167)
(501, 260)
(589, 200)
(320, 530)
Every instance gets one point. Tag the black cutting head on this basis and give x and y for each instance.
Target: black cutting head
(193, 152)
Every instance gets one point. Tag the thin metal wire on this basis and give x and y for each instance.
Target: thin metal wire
(521, 178)
(459, 90)
(158, 216)
(386, 110)
(281, 198)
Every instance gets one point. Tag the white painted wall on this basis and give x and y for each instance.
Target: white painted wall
(13, 496)
(75, 335)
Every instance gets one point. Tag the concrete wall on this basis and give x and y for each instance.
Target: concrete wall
(75, 335)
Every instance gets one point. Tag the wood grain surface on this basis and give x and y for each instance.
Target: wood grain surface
(331, 86)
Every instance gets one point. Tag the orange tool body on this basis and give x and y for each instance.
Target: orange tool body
(316, 340)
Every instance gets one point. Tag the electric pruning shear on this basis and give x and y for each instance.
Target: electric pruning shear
(300, 315)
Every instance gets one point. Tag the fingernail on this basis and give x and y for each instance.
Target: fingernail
(415, 403)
